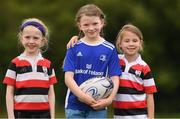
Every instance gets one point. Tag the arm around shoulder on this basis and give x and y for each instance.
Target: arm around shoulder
(72, 42)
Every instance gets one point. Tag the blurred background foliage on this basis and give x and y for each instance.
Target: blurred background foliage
(159, 20)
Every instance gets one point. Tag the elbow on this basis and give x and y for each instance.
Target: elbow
(68, 76)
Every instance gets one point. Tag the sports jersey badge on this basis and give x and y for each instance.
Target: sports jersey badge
(138, 73)
(23, 70)
(88, 66)
(45, 70)
(102, 58)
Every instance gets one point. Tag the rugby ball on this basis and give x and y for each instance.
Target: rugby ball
(98, 87)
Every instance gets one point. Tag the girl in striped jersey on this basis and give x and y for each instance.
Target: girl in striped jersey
(135, 95)
(30, 77)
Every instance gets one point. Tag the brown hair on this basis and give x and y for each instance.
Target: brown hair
(89, 10)
(131, 28)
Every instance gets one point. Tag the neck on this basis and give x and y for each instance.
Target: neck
(92, 40)
(31, 54)
(131, 58)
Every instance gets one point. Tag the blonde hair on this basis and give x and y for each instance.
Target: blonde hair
(131, 28)
(89, 10)
(45, 32)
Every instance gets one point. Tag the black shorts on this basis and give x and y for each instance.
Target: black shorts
(44, 114)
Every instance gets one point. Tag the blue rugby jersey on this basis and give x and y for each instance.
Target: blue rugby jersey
(87, 61)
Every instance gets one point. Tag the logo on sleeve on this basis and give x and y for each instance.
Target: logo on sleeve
(45, 70)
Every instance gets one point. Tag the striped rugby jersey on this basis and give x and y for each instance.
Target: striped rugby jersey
(135, 82)
(31, 81)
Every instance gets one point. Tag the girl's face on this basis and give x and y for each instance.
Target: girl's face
(32, 40)
(130, 43)
(91, 26)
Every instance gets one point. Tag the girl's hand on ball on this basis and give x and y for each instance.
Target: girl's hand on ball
(87, 99)
(102, 103)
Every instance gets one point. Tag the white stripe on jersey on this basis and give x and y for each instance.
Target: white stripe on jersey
(149, 82)
(31, 98)
(79, 42)
(107, 46)
(107, 43)
(131, 117)
(32, 76)
(67, 96)
(11, 74)
(130, 97)
(131, 77)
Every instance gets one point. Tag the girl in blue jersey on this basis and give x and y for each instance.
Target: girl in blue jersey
(30, 77)
(90, 57)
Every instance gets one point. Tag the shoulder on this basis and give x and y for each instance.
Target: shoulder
(46, 60)
(79, 43)
(108, 45)
(144, 65)
(16, 59)
(120, 56)
(18, 62)
(121, 59)
(141, 61)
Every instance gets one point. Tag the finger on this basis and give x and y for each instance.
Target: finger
(67, 46)
(95, 105)
(94, 102)
(96, 108)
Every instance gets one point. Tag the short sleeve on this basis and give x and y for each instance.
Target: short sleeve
(10, 77)
(69, 61)
(148, 80)
(114, 67)
(52, 75)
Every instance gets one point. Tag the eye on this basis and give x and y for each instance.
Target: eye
(126, 40)
(135, 40)
(27, 37)
(95, 23)
(85, 25)
(36, 38)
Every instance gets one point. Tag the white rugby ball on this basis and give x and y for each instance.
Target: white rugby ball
(98, 87)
